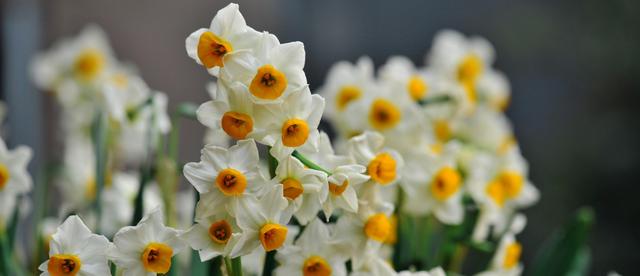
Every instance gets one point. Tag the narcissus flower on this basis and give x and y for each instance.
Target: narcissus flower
(231, 110)
(224, 176)
(270, 72)
(345, 84)
(14, 178)
(74, 250)
(346, 176)
(305, 189)
(227, 34)
(292, 123)
(435, 186)
(313, 254)
(212, 236)
(383, 165)
(506, 261)
(147, 248)
(261, 222)
(402, 75)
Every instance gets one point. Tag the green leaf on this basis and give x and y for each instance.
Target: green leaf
(566, 251)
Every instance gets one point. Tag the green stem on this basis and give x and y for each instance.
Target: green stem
(435, 100)
(269, 263)
(99, 135)
(310, 164)
(458, 258)
(228, 265)
(236, 265)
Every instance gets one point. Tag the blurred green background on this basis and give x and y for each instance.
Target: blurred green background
(574, 68)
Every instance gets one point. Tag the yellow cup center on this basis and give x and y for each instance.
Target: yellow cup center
(268, 83)
(64, 265)
(336, 189)
(212, 49)
(294, 132)
(382, 168)
(89, 64)
(220, 231)
(417, 88)
(316, 266)
(4, 176)
(512, 255)
(156, 257)
(512, 182)
(237, 125)
(445, 183)
(383, 114)
(272, 236)
(231, 182)
(378, 227)
(346, 95)
(292, 188)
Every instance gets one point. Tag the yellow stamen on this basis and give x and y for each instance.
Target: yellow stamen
(417, 88)
(445, 183)
(231, 182)
(469, 69)
(378, 227)
(292, 188)
(336, 189)
(382, 168)
(4, 176)
(513, 182)
(393, 236)
(64, 265)
(220, 231)
(268, 83)
(442, 130)
(383, 114)
(512, 255)
(211, 49)
(316, 266)
(237, 125)
(294, 132)
(496, 192)
(156, 257)
(347, 94)
(89, 64)
(272, 236)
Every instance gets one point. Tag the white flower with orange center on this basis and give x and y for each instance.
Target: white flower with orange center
(224, 176)
(312, 254)
(383, 165)
(147, 248)
(488, 129)
(434, 185)
(230, 110)
(212, 236)
(74, 250)
(506, 261)
(124, 92)
(494, 90)
(74, 68)
(14, 179)
(270, 72)
(364, 231)
(346, 83)
(290, 124)
(227, 34)
(462, 59)
(261, 222)
(346, 176)
(402, 74)
(305, 189)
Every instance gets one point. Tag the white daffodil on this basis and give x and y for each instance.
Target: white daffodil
(493, 88)
(345, 178)
(462, 59)
(124, 93)
(74, 250)
(312, 254)
(435, 186)
(227, 34)
(305, 189)
(270, 72)
(506, 261)
(290, 124)
(500, 187)
(438, 271)
(224, 176)
(117, 200)
(383, 165)
(212, 236)
(74, 67)
(402, 75)
(489, 130)
(364, 231)
(345, 84)
(261, 222)
(14, 178)
(231, 110)
(78, 183)
(147, 248)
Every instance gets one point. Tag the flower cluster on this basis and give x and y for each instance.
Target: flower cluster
(424, 160)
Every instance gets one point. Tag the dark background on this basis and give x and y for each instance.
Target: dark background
(574, 68)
